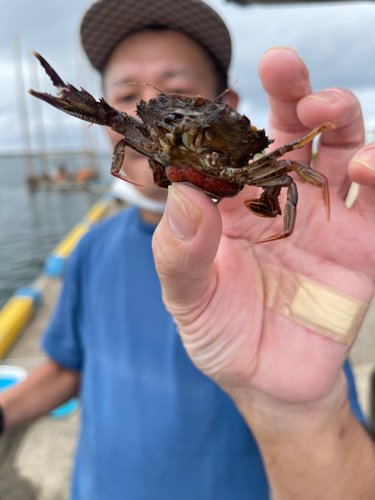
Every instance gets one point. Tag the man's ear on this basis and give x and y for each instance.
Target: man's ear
(231, 98)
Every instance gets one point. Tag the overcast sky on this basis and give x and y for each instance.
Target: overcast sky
(336, 40)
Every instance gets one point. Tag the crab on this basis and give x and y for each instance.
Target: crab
(205, 143)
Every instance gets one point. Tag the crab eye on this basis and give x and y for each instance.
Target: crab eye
(173, 117)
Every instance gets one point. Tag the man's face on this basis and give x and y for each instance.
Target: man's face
(173, 63)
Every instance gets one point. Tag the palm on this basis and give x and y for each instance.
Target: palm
(277, 355)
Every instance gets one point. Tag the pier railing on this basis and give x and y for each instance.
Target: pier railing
(21, 307)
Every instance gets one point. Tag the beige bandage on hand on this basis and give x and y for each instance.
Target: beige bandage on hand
(314, 305)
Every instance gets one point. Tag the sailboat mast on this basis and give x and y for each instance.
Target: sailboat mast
(22, 112)
(38, 117)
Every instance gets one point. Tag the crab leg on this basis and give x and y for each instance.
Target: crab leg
(312, 177)
(246, 174)
(259, 207)
(267, 205)
(117, 161)
(298, 143)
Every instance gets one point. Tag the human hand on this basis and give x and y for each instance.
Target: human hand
(207, 264)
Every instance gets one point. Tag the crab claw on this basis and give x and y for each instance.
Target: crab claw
(81, 104)
(75, 102)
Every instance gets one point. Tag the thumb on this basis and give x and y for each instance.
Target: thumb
(184, 245)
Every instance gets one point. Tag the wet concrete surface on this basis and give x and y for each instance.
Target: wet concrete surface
(36, 461)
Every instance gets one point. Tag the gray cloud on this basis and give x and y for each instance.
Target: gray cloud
(337, 42)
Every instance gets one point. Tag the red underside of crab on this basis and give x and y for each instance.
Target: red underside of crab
(217, 187)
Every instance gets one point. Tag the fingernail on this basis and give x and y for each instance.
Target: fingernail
(366, 159)
(327, 96)
(285, 47)
(183, 216)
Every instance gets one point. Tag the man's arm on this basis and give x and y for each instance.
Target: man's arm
(315, 451)
(285, 376)
(46, 388)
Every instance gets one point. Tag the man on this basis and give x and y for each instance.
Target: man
(152, 425)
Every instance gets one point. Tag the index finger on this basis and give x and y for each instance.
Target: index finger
(285, 79)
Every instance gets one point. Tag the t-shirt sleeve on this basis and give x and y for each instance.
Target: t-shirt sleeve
(352, 393)
(62, 340)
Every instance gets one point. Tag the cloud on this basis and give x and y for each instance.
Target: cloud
(337, 42)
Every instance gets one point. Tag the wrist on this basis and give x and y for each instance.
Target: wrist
(311, 450)
(269, 417)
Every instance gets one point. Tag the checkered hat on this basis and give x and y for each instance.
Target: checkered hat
(107, 22)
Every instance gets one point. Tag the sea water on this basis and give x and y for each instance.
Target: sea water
(33, 223)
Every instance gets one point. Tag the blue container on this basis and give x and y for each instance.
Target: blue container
(11, 375)
(66, 409)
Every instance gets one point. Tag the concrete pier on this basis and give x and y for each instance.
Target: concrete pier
(36, 462)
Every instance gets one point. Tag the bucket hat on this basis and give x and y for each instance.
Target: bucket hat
(107, 22)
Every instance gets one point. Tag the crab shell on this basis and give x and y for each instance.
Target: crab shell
(196, 132)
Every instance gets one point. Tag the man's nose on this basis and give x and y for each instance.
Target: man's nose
(147, 93)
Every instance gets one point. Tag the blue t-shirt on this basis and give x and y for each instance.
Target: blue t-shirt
(152, 425)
